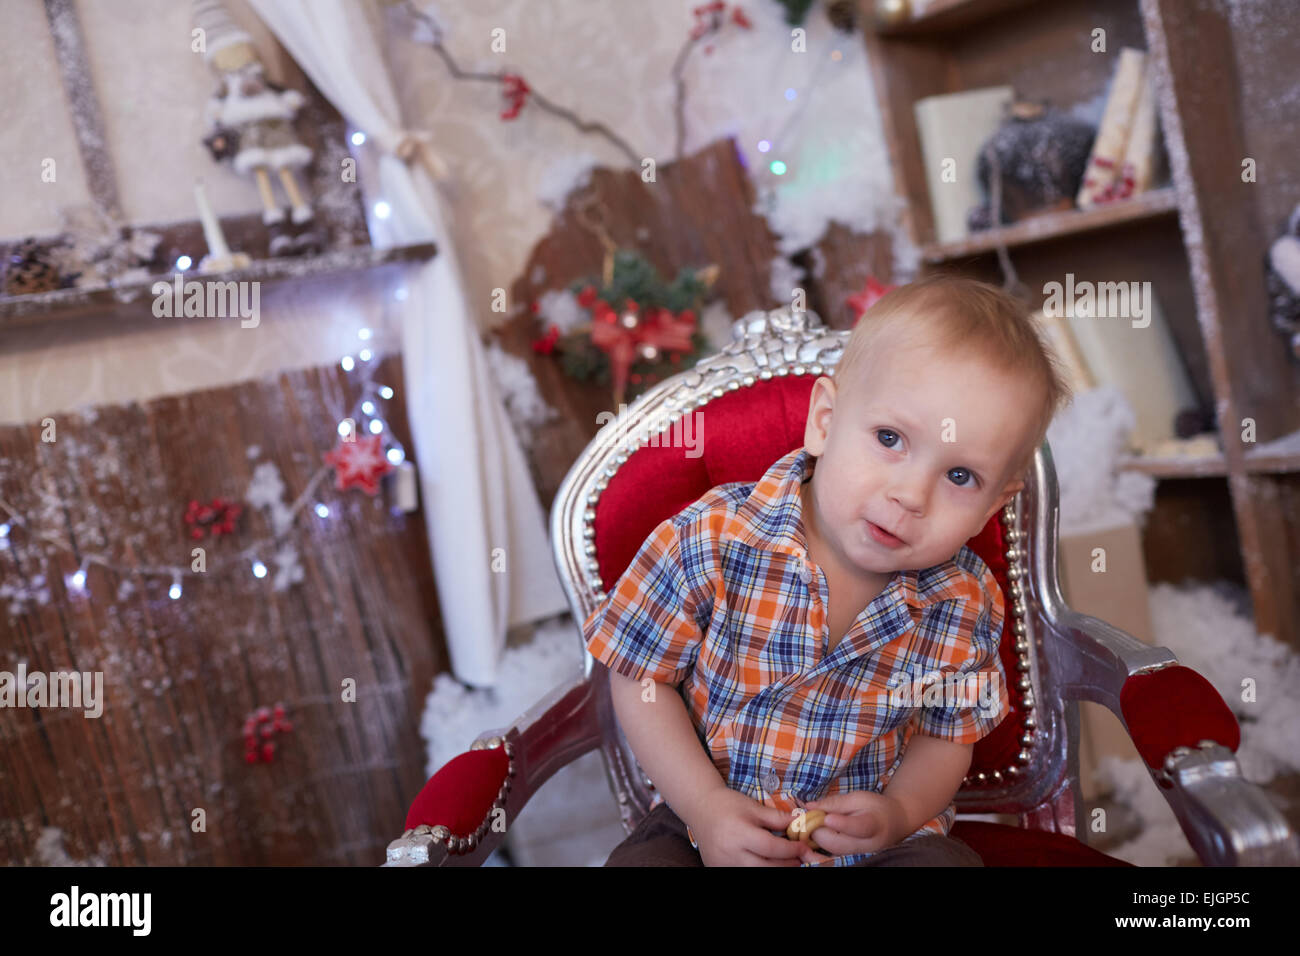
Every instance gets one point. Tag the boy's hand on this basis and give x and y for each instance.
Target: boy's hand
(736, 830)
(860, 821)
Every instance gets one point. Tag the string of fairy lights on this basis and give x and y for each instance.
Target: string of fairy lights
(364, 415)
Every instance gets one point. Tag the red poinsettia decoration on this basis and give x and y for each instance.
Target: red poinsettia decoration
(626, 337)
(217, 518)
(871, 293)
(359, 463)
(515, 91)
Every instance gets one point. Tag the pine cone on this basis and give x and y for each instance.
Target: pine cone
(29, 270)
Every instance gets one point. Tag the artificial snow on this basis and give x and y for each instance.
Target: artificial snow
(785, 278)
(570, 172)
(523, 400)
(266, 490)
(1086, 440)
(716, 322)
(50, 851)
(559, 307)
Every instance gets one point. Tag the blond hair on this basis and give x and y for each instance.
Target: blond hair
(979, 320)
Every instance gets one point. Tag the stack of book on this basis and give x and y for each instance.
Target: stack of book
(1120, 165)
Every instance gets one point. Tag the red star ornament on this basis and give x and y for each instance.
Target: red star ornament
(360, 463)
(871, 293)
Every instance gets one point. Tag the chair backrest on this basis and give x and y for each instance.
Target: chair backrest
(728, 419)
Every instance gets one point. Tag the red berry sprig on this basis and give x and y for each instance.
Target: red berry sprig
(262, 725)
(516, 92)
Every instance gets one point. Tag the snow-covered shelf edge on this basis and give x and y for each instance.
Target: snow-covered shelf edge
(1149, 205)
(19, 310)
(1280, 456)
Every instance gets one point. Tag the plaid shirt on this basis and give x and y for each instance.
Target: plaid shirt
(722, 603)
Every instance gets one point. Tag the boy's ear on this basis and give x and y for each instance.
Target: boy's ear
(1009, 491)
(821, 403)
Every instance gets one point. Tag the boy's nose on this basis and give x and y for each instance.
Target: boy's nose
(911, 492)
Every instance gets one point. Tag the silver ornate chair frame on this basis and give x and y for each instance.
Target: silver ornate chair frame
(1062, 656)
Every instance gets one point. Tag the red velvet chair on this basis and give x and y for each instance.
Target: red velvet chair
(748, 405)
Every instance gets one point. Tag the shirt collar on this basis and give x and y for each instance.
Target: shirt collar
(769, 519)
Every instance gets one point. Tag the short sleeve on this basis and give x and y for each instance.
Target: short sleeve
(649, 625)
(972, 697)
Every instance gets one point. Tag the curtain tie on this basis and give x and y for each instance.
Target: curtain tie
(417, 145)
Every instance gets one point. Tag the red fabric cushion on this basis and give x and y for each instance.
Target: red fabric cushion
(460, 795)
(1002, 845)
(1175, 707)
(742, 433)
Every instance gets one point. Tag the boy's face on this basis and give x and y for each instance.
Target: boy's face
(920, 444)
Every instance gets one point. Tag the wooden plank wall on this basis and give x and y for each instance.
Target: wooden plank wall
(180, 676)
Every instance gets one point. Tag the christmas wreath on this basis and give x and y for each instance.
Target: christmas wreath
(642, 329)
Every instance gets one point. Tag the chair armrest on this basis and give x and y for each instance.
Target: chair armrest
(462, 812)
(1185, 734)
(1161, 703)
(1228, 820)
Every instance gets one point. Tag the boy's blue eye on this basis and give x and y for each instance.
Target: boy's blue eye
(963, 471)
(886, 431)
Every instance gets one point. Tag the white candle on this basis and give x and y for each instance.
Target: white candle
(212, 233)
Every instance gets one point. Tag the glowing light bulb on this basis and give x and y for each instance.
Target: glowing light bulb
(365, 355)
(348, 363)
(322, 511)
(364, 334)
(345, 427)
(764, 146)
(790, 94)
(382, 209)
(184, 262)
(400, 293)
(259, 569)
(778, 167)
(376, 426)
(174, 592)
(79, 580)
(368, 407)
(396, 455)
(358, 138)
(385, 392)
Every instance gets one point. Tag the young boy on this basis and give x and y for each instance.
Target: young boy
(770, 646)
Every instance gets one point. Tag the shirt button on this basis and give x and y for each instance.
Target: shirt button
(804, 574)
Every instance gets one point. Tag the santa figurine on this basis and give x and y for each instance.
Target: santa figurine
(250, 122)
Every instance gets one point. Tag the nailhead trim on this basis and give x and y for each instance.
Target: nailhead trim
(467, 844)
(1015, 555)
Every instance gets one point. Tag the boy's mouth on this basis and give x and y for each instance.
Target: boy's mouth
(883, 536)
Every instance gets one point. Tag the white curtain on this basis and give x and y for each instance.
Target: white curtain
(476, 489)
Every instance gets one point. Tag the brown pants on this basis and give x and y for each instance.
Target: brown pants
(660, 840)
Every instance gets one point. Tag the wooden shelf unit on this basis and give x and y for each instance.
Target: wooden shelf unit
(1200, 236)
(60, 304)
